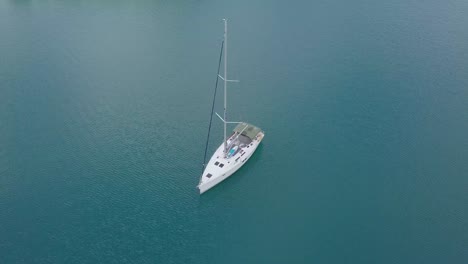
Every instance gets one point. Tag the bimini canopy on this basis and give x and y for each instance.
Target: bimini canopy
(247, 130)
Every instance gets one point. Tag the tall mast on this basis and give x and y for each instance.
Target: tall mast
(225, 83)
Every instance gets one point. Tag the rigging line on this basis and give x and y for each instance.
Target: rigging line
(212, 107)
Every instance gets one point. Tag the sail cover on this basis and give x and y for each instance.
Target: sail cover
(247, 130)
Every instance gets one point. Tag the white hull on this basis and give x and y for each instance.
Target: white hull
(230, 165)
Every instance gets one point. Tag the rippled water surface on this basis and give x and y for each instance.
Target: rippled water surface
(104, 110)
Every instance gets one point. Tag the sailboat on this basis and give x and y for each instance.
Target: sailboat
(236, 149)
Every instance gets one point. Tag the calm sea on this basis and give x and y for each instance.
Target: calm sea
(104, 108)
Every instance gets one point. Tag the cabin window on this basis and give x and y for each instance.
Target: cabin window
(209, 175)
(216, 163)
(221, 165)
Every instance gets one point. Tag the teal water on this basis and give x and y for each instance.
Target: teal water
(104, 111)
